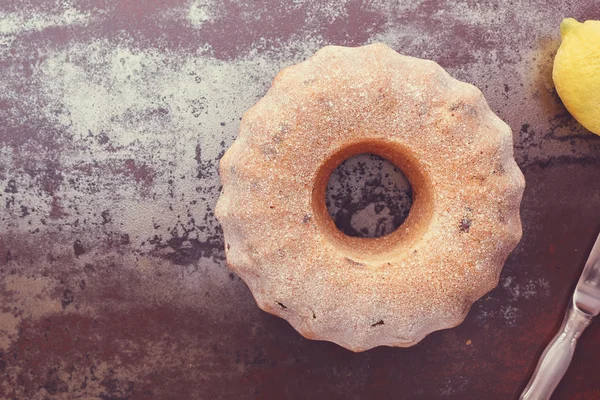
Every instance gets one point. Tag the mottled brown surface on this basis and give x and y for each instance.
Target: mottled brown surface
(112, 275)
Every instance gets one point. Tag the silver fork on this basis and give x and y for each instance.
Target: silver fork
(583, 307)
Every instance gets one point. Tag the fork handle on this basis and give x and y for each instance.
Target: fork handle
(557, 356)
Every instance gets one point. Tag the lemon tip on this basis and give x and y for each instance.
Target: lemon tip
(567, 25)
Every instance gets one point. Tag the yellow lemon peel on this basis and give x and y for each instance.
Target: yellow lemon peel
(576, 72)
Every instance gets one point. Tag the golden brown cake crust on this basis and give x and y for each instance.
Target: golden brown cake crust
(396, 289)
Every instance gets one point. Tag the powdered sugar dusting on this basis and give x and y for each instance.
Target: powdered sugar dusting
(505, 302)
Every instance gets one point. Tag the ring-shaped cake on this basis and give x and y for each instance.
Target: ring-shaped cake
(365, 292)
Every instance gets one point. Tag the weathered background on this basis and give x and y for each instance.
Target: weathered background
(113, 284)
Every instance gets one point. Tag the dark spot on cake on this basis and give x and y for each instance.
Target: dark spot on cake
(502, 217)
(282, 305)
(271, 207)
(380, 322)
(463, 107)
(351, 261)
(314, 315)
(283, 130)
(470, 109)
(228, 246)
(306, 218)
(465, 225)
(268, 150)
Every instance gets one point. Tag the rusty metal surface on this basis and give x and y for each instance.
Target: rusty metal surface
(113, 284)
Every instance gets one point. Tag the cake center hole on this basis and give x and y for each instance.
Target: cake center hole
(368, 196)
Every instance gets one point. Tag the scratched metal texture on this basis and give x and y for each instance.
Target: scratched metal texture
(113, 282)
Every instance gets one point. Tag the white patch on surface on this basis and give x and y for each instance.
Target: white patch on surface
(20, 22)
(199, 12)
(154, 107)
(332, 10)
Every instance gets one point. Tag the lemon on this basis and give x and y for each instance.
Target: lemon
(576, 71)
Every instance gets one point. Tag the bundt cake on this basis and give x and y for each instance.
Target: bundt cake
(365, 292)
